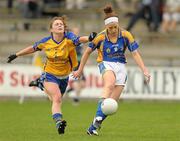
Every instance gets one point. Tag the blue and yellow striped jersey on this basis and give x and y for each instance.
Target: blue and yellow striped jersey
(61, 56)
(113, 52)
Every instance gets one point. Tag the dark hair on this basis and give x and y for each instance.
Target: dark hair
(63, 19)
(109, 12)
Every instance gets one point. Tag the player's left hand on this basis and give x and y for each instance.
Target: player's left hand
(92, 35)
(76, 74)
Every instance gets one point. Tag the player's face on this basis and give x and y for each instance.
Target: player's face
(57, 27)
(112, 28)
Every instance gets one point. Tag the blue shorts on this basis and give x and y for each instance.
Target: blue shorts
(61, 82)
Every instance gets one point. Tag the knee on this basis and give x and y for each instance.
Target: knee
(109, 87)
(57, 98)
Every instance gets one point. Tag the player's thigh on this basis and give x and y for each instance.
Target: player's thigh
(117, 92)
(109, 78)
(52, 90)
(108, 83)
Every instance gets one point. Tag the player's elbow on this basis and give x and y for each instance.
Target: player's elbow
(135, 53)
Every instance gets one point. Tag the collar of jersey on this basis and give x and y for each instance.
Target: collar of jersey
(107, 35)
(55, 40)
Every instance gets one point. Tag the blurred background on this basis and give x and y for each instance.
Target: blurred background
(155, 25)
(23, 22)
(146, 112)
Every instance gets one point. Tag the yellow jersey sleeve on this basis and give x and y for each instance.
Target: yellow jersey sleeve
(97, 41)
(129, 41)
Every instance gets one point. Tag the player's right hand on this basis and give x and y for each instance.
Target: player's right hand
(11, 57)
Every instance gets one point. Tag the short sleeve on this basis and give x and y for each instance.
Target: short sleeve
(40, 44)
(92, 45)
(130, 42)
(96, 42)
(73, 38)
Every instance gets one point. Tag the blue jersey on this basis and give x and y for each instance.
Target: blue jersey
(113, 52)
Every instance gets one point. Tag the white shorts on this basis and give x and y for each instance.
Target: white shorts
(119, 70)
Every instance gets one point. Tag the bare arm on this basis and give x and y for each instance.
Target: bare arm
(140, 63)
(83, 39)
(25, 51)
(84, 59)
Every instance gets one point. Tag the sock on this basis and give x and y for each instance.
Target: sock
(57, 117)
(99, 114)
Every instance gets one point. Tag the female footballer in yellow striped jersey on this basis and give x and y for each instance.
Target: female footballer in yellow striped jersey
(111, 45)
(60, 51)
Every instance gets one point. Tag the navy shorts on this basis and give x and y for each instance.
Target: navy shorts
(61, 82)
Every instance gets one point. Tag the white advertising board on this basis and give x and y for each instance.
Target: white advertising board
(14, 80)
(164, 84)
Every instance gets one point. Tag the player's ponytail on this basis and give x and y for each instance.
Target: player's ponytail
(110, 15)
(109, 12)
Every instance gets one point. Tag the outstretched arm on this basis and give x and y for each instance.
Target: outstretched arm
(26, 51)
(22, 52)
(85, 39)
(140, 63)
(84, 59)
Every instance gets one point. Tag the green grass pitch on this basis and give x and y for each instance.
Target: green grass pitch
(134, 121)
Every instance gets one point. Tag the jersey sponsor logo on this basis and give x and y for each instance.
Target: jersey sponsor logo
(116, 55)
(116, 49)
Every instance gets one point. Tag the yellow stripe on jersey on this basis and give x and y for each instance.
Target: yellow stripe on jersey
(98, 43)
(100, 52)
(127, 35)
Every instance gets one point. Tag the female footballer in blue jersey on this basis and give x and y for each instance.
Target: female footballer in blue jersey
(61, 56)
(111, 45)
